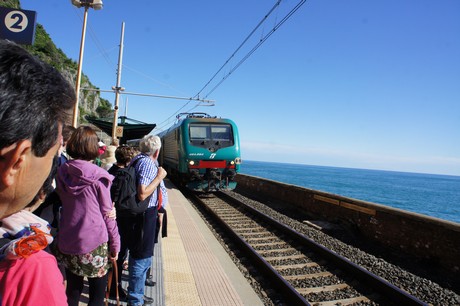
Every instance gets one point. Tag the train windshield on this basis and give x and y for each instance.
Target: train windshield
(201, 134)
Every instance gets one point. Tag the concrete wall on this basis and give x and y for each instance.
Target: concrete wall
(431, 239)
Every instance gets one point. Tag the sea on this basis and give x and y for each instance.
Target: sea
(428, 194)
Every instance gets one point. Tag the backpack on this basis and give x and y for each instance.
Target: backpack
(124, 192)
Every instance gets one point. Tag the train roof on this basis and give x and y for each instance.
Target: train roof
(182, 117)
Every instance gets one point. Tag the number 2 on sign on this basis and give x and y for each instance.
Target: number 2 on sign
(16, 21)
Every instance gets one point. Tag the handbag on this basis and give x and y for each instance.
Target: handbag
(112, 271)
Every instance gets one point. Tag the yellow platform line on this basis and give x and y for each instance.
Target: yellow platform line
(179, 282)
(211, 282)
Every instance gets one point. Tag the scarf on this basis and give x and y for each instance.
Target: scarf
(23, 234)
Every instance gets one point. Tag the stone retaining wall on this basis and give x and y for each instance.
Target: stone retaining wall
(433, 240)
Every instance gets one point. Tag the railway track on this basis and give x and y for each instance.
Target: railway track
(302, 271)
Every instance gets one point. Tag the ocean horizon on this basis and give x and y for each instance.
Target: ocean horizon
(434, 195)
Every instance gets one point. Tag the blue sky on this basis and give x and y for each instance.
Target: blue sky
(360, 84)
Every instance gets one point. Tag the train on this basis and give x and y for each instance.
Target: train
(201, 152)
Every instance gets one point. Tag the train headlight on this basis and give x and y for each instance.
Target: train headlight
(238, 160)
(191, 163)
(232, 162)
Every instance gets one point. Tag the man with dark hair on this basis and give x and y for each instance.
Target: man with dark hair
(35, 103)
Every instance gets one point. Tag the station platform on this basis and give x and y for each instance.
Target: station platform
(190, 267)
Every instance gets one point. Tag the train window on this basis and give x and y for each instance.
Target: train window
(201, 134)
(221, 132)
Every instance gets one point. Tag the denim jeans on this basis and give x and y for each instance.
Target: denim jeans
(137, 272)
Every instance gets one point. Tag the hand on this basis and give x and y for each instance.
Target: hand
(161, 173)
(113, 255)
(112, 214)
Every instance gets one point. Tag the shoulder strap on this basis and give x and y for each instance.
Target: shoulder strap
(111, 273)
(132, 165)
(159, 197)
(135, 162)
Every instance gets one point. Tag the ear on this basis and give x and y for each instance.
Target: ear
(12, 159)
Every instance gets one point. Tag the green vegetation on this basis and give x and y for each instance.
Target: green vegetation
(104, 109)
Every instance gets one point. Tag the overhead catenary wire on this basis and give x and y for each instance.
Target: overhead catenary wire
(167, 122)
(261, 41)
(151, 78)
(240, 46)
(196, 97)
(122, 92)
(94, 38)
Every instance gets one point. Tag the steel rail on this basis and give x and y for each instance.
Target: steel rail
(381, 285)
(289, 293)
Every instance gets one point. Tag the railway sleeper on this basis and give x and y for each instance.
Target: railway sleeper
(343, 302)
(245, 229)
(240, 226)
(308, 276)
(275, 244)
(302, 265)
(329, 288)
(264, 236)
(230, 213)
(255, 239)
(278, 253)
(288, 257)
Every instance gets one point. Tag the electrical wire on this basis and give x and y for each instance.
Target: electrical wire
(240, 46)
(261, 41)
(94, 38)
(152, 79)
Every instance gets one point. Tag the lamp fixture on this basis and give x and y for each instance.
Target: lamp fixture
(95, 4)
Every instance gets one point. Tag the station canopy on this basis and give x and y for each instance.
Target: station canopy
(132, 129)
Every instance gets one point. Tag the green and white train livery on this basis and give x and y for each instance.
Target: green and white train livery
(202, 152)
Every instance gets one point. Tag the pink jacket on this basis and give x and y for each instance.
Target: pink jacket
(35, 280)
(28, 275)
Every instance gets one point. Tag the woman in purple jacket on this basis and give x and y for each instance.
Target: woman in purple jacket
(87, 236)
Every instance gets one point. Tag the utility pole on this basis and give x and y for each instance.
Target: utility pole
(118, 88)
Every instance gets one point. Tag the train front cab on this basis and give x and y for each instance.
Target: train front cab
(212, 154)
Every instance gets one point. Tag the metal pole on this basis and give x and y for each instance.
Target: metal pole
(117, 87)
(126, 107)
(80, 63)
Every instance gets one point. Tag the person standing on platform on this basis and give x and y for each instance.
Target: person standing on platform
(66, 133)
(49, 209)
(35, 103)
(88, 237)
(149, 177)
(102, 148)
(161, 225)
(108, 157)
(123, 155)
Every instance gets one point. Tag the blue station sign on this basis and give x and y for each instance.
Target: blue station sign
(17, 25)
